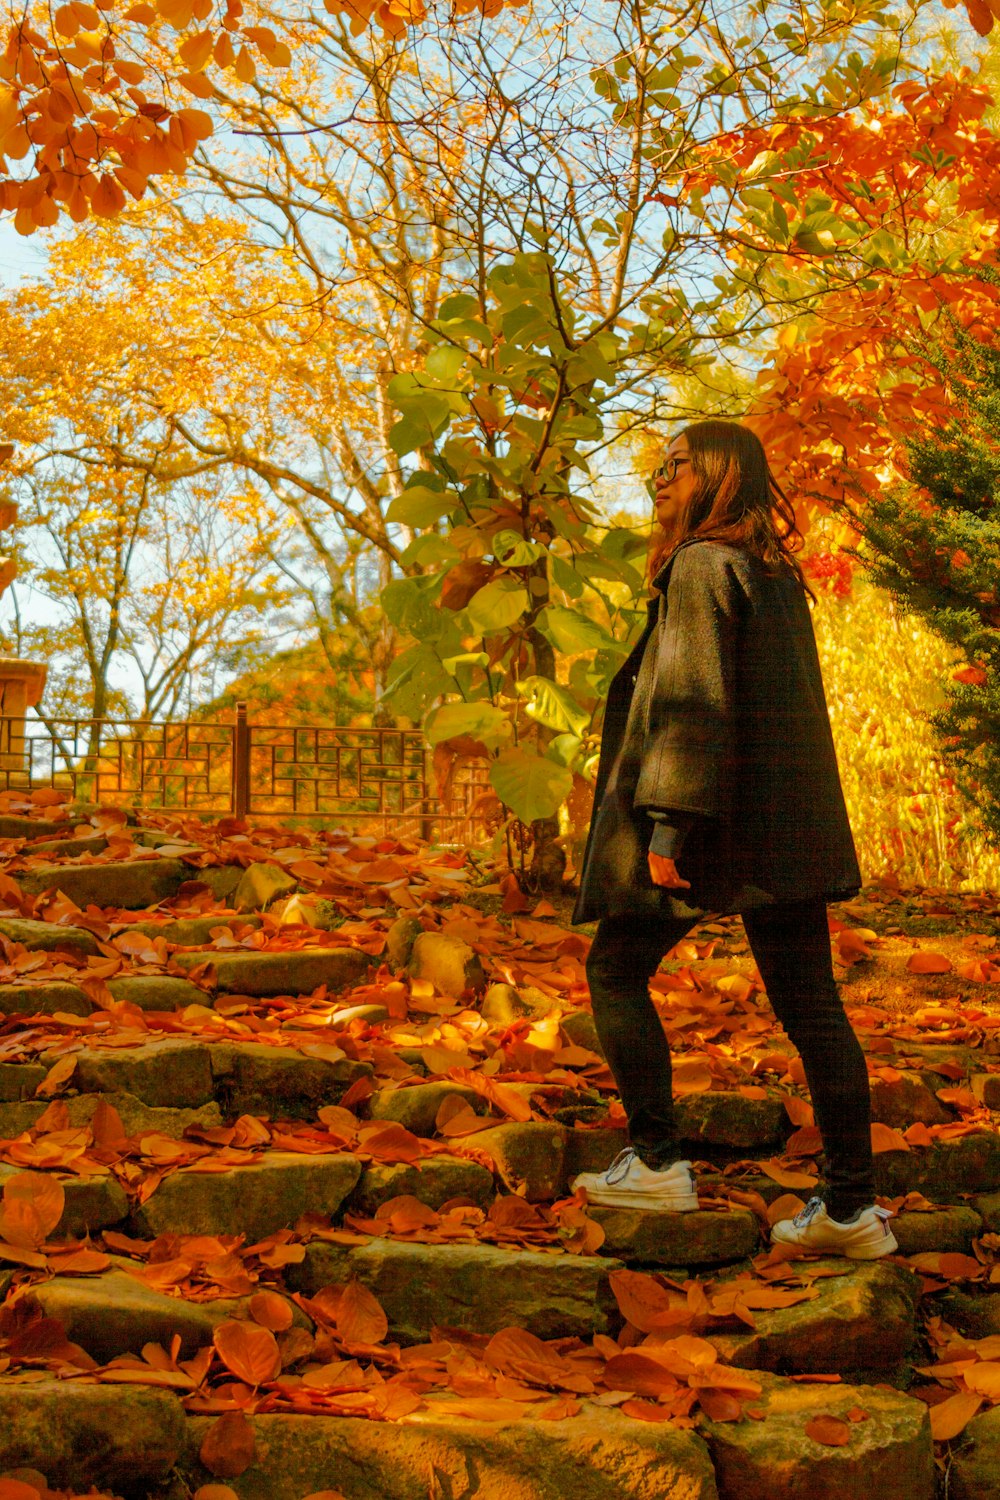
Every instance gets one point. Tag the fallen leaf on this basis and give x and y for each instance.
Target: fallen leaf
(56, 1078)
(884, 1138)
(249, 1351)
(270, 1311)
(691, 1077)
(360, 1316)
(984, 1379)
(32, 1206)
(16, 1489)
(828, 1430)
(799, 1111)
(928, 963)
(949, 1417)
(228, 1446)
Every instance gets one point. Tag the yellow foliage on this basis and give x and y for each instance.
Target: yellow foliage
(906, 815)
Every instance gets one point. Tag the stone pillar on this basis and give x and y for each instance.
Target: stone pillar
(21, 685)
(21, 682)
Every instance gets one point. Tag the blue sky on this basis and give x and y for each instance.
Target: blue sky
(20, 258)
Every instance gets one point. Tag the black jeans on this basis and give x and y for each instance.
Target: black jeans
(791, 947)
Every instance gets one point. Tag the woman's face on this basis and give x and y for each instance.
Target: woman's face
(674, 483)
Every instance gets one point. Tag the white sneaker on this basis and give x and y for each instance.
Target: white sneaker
(629, 1183)
(865, 1237)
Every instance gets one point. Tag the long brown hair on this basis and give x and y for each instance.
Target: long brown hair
(736, 499)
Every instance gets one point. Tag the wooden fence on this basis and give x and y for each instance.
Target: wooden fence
(373, 779)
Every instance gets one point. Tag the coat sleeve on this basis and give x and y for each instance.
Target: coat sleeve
(689, 742)
(670, 829)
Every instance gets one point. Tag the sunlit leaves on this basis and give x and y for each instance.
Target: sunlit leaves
(531, 785)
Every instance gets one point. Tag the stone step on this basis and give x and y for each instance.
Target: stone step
(45, 999)
(255, 1200)
(598, 1455)
(48, 937)
(116, 1313)
(944, 1171)
(702, 1237)
(137, 1118)
(78, 1434)
(860, 1323)
(185, 1073)
(294, 971)
(92, 1203)
(974, 1461)
(478, 1288)
(14, 827)
(195, 932)
(888, 1452)
(132, 884)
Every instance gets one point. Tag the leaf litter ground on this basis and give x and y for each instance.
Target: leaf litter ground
(902, 984)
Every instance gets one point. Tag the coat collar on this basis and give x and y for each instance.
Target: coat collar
(660, 581)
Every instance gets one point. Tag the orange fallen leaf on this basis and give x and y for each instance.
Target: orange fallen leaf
(80, 1263)
(928, 963)
(16, 1489)
(884, 1138)
(647, 1411)
(785, 1177)
(228, 1446)
(32, 1206)
(720, 1406)
(215, 1492)
(951, 1416)
(249, 1351)
(804, 1142)
(644, 1302)
(360, 1316)
(799, 1111)
(984, 1379)
(828, 1430)
(785, 1207)
(270, 1311)
(639, 1372)
(691, 1077)
(56, 1078)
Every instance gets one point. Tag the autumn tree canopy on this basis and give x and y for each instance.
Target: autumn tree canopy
(421, 292)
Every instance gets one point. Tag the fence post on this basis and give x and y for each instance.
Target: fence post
(426, 820)
(241, 763)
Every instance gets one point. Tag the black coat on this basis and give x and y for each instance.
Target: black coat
(720, 710)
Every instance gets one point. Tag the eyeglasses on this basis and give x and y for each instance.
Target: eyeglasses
(670, 467)
(667, 471)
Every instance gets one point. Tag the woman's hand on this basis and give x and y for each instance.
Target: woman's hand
(663, 871)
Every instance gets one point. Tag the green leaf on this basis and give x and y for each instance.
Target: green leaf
(428, 551)
(572, 631)
(416, 678)
(444, 362)
(621, 543)
(532, 786)
(409, 604)
(564, 748)
(464, 659)
(419, 505)
(565, 576)
(514, 550)
(497, 605)
(459, 305)
(551, 704)
(482, 720)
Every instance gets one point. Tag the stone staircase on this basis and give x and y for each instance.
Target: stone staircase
(244, 1134)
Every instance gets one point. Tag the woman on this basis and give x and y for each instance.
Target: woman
(717, 757)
